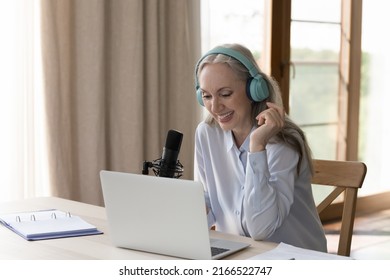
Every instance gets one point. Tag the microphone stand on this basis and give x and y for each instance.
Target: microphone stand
(156, 167)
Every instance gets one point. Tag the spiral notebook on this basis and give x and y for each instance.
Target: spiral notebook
(47, 224)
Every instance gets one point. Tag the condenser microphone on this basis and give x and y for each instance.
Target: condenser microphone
(170, 154)
(168, 165)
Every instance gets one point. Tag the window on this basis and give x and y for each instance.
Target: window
(374, 134)
(314, 78)
(226, 21)
(22, 161)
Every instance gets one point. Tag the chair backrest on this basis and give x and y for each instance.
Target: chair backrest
(347, 177)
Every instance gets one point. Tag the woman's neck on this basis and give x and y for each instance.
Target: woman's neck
(240, 136)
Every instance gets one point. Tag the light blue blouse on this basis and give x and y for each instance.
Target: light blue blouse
(257, 194)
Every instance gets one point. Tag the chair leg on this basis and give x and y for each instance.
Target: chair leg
(347, 222)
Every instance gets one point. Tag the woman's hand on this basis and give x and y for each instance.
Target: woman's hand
(270, 122)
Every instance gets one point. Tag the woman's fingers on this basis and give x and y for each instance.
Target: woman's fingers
(273, 115)
(270, 122)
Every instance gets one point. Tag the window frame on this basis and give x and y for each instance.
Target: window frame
(350, 60)
(349, 74)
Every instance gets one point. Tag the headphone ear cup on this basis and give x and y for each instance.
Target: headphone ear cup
(199, 96)
(257, 89)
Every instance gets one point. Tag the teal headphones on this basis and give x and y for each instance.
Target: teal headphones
(256, 86)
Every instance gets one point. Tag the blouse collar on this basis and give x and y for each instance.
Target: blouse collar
(230, 144)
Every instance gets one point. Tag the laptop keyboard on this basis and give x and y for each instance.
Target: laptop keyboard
(217, 250)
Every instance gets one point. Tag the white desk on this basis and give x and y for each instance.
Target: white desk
(12, 246)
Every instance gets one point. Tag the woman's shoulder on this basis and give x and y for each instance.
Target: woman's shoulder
(209, 131)
(204, 127)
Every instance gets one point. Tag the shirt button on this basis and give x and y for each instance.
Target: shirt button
(242, 188)
(237, 212)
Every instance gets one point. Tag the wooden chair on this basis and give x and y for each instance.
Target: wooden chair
(347, 177)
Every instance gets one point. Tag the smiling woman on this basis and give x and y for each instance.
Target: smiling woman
(22, 143)
(225, 98)
(253, 161)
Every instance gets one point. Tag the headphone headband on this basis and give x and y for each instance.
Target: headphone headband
(257, 89)
(234, 54)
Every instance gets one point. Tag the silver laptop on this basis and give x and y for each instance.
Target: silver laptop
(160, 215)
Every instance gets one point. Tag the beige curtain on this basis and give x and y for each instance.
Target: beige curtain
(118, 76)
